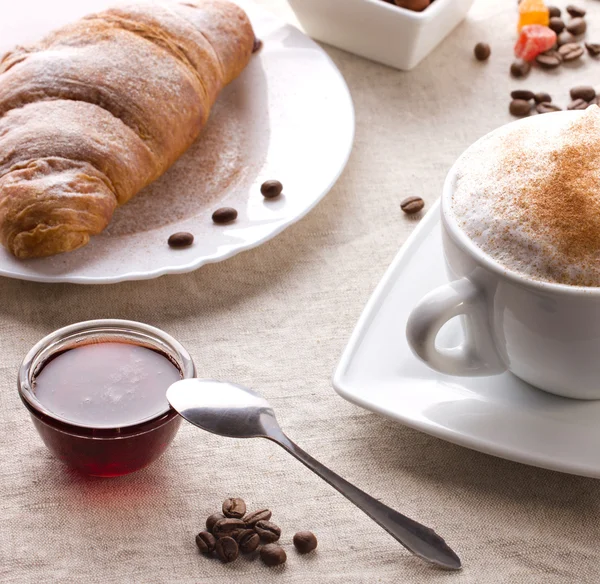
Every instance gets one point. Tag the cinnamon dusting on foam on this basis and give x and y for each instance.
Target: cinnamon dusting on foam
(530, 197)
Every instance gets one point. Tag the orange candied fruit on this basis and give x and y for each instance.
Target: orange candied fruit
(533, 12)
(533, 40)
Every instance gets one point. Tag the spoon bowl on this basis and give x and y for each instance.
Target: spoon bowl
(221, 408)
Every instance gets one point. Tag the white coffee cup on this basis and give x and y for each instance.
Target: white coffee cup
(547, 334)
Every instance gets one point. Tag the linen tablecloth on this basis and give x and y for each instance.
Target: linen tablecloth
(277, 319)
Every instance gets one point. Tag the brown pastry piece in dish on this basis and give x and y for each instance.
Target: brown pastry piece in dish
(102, 107)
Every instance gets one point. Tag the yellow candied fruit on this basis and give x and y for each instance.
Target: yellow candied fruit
(533, 12)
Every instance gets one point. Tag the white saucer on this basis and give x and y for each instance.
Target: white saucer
(499, 415)
(289, 117)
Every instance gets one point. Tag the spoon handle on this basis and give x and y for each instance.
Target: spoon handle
(420, 540)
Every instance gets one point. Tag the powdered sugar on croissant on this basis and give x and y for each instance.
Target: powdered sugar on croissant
(102, 107)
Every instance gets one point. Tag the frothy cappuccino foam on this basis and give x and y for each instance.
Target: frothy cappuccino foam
(529, 196)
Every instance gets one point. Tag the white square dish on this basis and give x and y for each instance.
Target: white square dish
(499, 415)
(380, 31)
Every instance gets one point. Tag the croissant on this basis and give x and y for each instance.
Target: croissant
(101, 108)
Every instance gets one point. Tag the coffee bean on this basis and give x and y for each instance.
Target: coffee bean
(412, 205)
(577, 26)
(575, 11)
(224, 215)
(228, 526)
(257, 46)
(273, 555)
(546, 108)
(570, 51)
(554, 11)
(242, 534)
(549, 60)
(271, 189)
(519, 108)
(248, 540)
(268, 531)
(181, 239)
(564, 38)
(234, 507)
(227, 549)
(542, 96)
(593, 49)
(212, 520)
(578, 104)
(522, 94)
(586, 92)
(557, 24)
(520, 68)
(206, 542)
(261, 515)
(482, 51)
(305, 542)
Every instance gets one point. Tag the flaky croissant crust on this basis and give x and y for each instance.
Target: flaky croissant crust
(97, 110)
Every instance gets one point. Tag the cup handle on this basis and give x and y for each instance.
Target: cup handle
(478, 354)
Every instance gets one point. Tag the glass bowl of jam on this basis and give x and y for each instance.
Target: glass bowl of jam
(96, 392)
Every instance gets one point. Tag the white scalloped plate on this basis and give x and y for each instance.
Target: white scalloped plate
(499, 415)
(289, 116)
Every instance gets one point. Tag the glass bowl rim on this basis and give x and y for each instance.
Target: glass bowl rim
(33, 362)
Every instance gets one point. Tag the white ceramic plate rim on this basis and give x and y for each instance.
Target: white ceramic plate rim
(356, 395)
(274, 227)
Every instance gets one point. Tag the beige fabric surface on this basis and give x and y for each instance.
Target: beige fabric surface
(277, 319)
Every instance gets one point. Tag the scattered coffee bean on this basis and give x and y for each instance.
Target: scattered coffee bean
(585, 92)
(234, 507)
(181, 239)
(268, 531)
(228, 535)
(554, 11)
(575, 11)
(412, 205)
(253, 518)
(228, 526)
(577, 26)
(549, 60)
(257, 46)
(520, 68)
(570, 51)
(546, 108)
(593, 49)
(482, 51)
(578, 104)
(519, 108)
(522, 94)
(305, 541)
(564, 38)
(557, 24)
(248, 540)
(242, 534)
(271, 189)
(273, 555)
(227, 549)
(542, 96)
(224, 215)
(212, 520)
(206, 542)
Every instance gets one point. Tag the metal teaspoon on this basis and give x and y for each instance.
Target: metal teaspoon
(234, 411)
